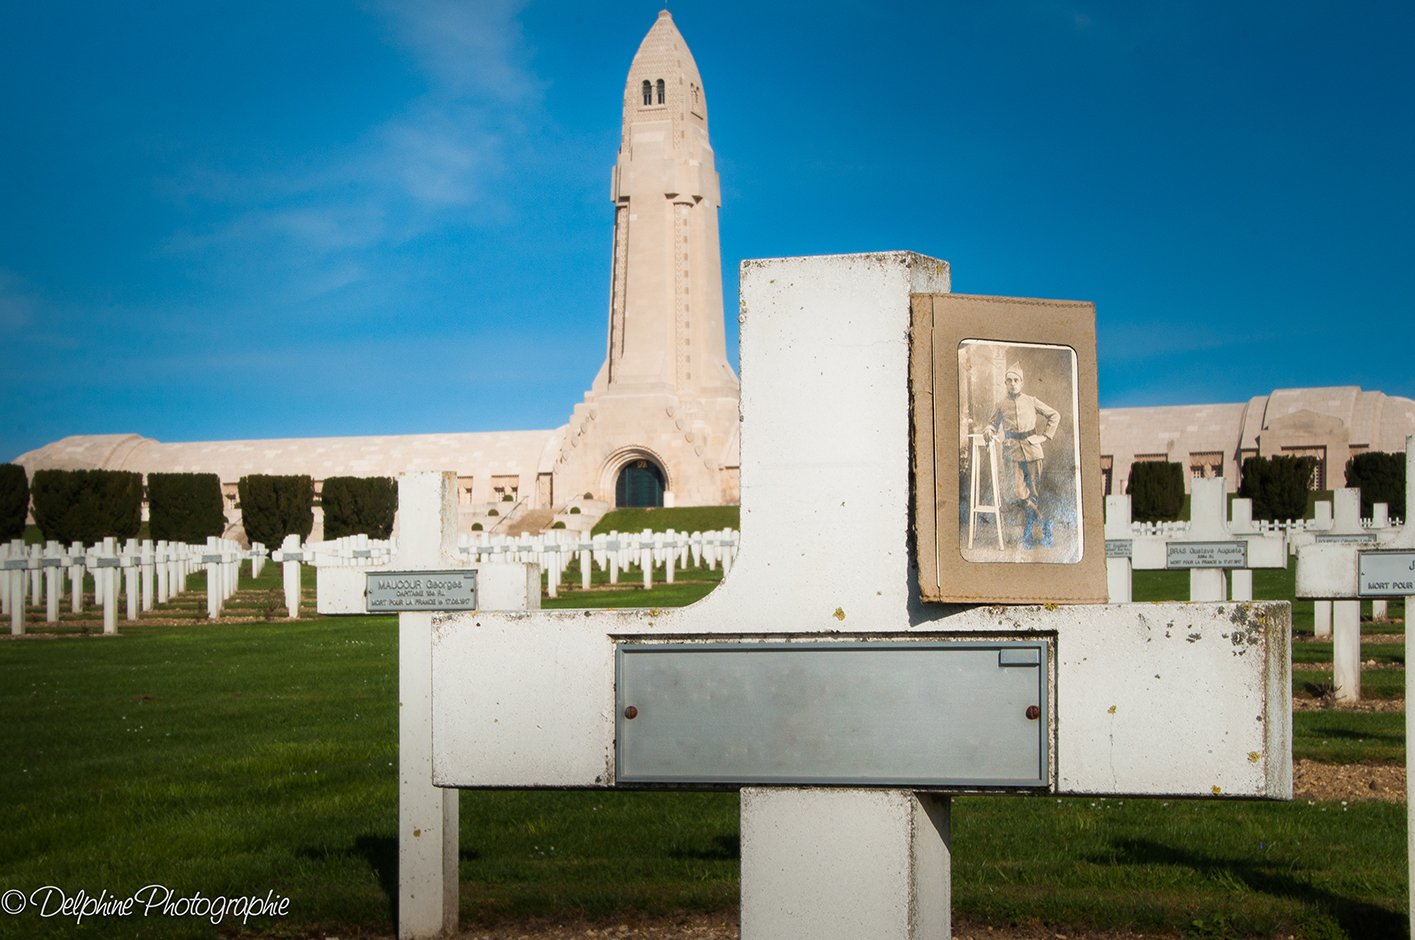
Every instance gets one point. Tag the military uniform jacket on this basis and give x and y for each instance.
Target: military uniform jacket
(1016, 419)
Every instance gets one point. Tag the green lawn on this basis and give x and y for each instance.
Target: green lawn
(1343, 737)
(682, 519)
(242, 759)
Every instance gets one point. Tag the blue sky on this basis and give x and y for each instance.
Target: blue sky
(231, 220)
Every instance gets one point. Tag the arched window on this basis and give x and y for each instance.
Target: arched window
(660, 91)
(648, 92)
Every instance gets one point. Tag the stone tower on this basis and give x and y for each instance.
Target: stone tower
(659, 424)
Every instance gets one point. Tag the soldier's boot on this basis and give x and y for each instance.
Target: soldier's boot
(1027, 533)
(1046, 533)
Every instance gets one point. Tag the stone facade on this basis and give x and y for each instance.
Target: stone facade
(1330, 424)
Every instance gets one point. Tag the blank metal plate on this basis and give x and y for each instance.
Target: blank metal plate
(934, 714)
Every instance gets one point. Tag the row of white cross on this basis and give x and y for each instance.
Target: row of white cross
(1211, 545)
(1236, 546)
(1235, 543)
(1292, 528)
(341, 563)
(611, 552)
(145, 573)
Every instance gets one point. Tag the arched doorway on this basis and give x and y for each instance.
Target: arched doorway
(640, 483)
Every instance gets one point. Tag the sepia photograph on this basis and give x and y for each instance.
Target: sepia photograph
(1019, 482)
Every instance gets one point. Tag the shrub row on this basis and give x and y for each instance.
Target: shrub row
(87, 505)
(273, 507)
(1278, 486)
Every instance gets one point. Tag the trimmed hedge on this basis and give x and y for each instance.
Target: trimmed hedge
(1156, 489)
(273, 507)
(14, 501)
(1278, 486)
(87, 505)
(359, 506)
(1381, 479)
(184, 507)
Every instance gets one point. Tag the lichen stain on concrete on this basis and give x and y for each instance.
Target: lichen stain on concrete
(839, 614)
(417, 833)
(1110, 710)
(1217, 789)
(1194, 637)
(1254, 757)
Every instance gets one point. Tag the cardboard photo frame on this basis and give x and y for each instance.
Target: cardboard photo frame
(1006, 462)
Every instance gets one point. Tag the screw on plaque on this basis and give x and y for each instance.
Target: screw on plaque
(631, 712)
(1033, 712)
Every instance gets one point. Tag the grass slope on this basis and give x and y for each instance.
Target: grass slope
(682, 519)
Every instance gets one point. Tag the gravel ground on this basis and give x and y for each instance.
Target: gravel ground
(1348, 782)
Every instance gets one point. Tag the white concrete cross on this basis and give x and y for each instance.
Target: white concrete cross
(1210, 547)
(1349, 572)
(53, 562)
(103, 560)
(1119, 546)
(14, 568)
(289, 556)
(428, 881)
(76, 577)
(1327, 572)
(1160, 699)
(1380, 522)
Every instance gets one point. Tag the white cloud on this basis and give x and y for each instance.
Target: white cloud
(440, 157)
(413, 173)
(466, 49)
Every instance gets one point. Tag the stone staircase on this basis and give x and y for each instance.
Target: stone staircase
(528, 521)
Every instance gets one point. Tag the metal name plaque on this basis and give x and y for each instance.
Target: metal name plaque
(292, 556)
(16, 564)
(1353, 538)
(392, 592)
(1119, 548)
(211, 559)
(1385, 574)
(51, 563)
(105, 562)
(1206, 554)
(961, 714)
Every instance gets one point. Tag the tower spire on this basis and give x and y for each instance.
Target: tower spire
(665, 324)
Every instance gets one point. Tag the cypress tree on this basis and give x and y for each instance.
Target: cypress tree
(184, 507)
(1381, 479)
(359, 506)
(14, 501)
(273, 507)
(1156, 489)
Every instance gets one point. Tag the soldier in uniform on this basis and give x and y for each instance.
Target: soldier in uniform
(1024, 423)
